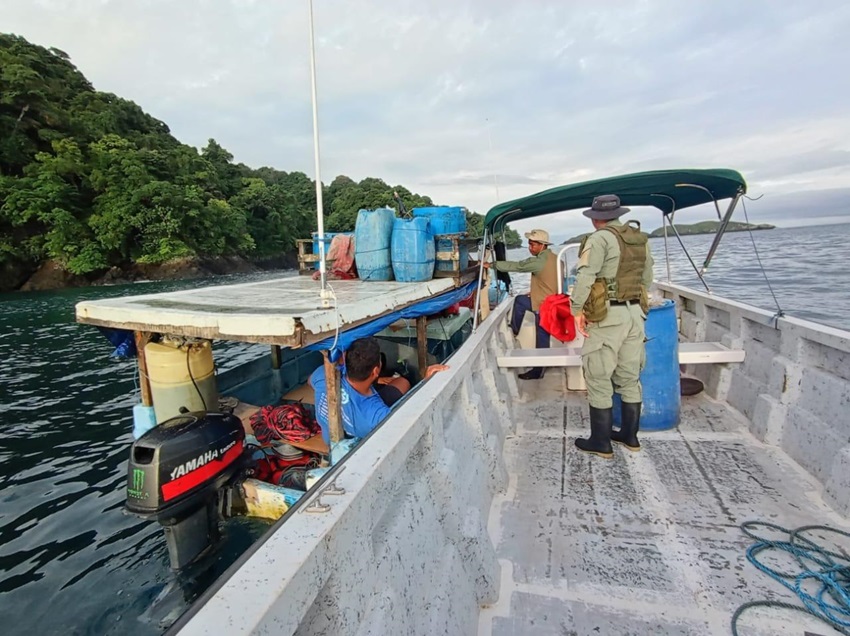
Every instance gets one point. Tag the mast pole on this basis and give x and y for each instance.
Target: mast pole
(320, 212)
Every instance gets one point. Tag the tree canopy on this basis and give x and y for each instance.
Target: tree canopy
(92, 181)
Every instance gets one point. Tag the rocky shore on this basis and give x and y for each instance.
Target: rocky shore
(52, 275)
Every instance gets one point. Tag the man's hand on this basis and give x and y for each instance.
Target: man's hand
(581, 325)
(486, 264)
(435, 368)
(384, 380)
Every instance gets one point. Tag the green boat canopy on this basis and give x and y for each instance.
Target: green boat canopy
(667, 190)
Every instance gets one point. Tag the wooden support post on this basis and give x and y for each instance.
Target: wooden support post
(276, 360)
(142, 338)
(422, 343)
(332, 381)
(484, 306)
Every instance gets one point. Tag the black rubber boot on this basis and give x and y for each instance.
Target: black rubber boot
(535, 373)
(627, 435)
(600, 434)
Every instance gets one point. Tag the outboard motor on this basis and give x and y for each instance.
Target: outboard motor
(178, 475)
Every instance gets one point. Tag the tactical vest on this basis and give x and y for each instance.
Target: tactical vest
(626, 285)
(627, 282)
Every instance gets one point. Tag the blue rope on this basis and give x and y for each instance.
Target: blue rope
(827, 571)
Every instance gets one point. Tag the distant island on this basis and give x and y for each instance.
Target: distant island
(703, 227)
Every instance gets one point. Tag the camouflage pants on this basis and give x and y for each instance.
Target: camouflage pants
(613, 356)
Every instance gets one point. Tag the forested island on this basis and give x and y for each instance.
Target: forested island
(703, 227)
(95, 190)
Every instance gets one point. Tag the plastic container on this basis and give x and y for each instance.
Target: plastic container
(181, 376)
(373, 233)
(144, 419)
(413, 250)
(497, 291)
(660, 377)
(446, 220)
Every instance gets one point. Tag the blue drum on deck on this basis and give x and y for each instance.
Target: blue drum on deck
(660, 377)
(413, 250)
(373, 233)
(446, 220)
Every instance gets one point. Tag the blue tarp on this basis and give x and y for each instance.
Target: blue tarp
(424, 308)
(122, 340)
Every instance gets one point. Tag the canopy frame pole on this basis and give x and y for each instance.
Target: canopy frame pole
(664, 222)
(480, 280)
(694, 265)
(721, 230)
(707, 191)
(332, 381)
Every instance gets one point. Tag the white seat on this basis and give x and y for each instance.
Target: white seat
(689, 353)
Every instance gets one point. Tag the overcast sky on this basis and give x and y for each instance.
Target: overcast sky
(442, 95)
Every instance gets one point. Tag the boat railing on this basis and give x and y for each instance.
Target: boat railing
(564, 266)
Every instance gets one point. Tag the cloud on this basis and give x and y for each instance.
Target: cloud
(440, 96)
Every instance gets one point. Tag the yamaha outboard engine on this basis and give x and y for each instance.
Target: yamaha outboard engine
(178, 473)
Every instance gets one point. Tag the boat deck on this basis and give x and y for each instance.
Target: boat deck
(285, 311)
(646, 543)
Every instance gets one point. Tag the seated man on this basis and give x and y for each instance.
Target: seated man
(543, 266)
(365, 398)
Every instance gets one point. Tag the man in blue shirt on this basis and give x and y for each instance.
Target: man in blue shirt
(365, 397)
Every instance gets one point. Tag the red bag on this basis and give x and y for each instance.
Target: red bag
(556, 317)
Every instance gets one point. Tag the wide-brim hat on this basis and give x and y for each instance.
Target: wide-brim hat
(605, 207)
(538, 236)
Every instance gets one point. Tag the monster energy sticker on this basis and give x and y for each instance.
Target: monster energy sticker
(135, 488)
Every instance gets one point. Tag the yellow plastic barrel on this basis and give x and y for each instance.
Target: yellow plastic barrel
(181, 375)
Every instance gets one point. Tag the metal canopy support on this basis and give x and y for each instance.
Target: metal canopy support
(704, 189)
(563, 274)
(332, 380)
(480, 280)
(720, 231)
(685, 250)
(664, 222)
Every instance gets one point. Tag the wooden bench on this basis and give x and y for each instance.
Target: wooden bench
(689, 353)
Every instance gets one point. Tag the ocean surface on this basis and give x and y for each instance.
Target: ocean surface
(73, 562)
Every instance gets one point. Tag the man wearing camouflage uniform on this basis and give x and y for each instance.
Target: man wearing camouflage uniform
(609, 303)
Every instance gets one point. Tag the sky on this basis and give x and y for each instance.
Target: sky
(473, 102)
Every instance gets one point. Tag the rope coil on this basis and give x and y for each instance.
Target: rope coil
(827, 572)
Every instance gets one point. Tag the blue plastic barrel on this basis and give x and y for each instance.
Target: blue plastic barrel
(497, 292)
(660, 377)
(373, 233)
(446, 220)
(413, 250)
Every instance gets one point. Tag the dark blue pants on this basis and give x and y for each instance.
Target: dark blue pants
(522, 304)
